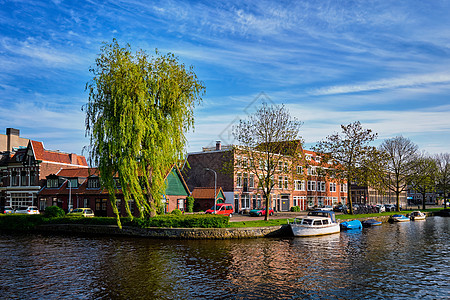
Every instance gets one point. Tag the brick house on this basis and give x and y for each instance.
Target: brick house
(23, 171)
(297, 182)
(204, 197)
(81, 188)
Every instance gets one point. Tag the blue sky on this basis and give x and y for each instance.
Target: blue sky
(383, 63)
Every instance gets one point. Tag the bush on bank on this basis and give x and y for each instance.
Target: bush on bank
(184, 221)
(29, 222)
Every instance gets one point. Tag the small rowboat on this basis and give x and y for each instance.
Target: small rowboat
(371, 222)
(417, 215)
(399, 218)
(353, 224)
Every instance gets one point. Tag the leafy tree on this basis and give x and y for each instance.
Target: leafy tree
(346, 154)
(443, 164)
(400, 155)
(139, 108)
(266, 139)
(423, 179)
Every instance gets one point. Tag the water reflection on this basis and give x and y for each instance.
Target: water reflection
(406, 260)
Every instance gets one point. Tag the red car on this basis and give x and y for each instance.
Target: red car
(222, 209)
(258, 212)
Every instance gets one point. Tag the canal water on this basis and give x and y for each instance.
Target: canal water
(393, 261)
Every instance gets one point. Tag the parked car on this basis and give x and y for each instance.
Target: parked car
(340, 208)
(325, 208)
(389, 207)
(260, 212)
(381, 208)
(81, 212)
(8, 210)
(30, 210)
(222, 209)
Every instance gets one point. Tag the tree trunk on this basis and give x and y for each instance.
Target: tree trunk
(423, 201)
(349, 196)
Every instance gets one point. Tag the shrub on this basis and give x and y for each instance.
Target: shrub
(20, 222)
(295, 208)
(176, 212)
(54, 212)
(190, 204)
(184, 221)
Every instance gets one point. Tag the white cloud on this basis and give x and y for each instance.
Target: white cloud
(392, 83)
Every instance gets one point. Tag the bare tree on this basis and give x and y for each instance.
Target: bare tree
(399, 166)
(347, 153)
(443, 164)
(424, 176)
(267, 139)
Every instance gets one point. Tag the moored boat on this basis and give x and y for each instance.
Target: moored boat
(417, 215)
(316, 223)
(353, 224)
(371, 222)
(398, 218)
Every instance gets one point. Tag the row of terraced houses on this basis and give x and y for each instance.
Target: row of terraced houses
(33, 175)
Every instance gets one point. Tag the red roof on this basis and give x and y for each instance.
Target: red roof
(55, 156)
(205, 192)
(78, 172)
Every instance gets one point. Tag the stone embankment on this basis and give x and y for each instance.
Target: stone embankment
(180, 233)
(170, 233)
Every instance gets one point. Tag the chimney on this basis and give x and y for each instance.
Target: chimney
(11, 132)
(73, 159)
(218, 145)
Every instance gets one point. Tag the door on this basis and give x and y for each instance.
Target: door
(285, 203)
(100, 207)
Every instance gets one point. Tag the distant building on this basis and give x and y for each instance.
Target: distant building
(204, 197)
(304, 187)
(81, 188)
(12, 140)
(371, 196)
(23, 170)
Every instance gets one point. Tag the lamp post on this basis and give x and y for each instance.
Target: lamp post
(70, 194)
(215, 186)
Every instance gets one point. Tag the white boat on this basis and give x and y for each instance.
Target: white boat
(417, 215)
(398, 218)
(316, 223)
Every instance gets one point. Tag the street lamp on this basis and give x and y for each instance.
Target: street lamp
(69, 205)
(215, 186)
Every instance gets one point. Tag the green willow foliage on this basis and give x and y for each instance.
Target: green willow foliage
(139, 109)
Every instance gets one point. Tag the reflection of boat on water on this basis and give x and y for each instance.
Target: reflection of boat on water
(398, 218)
(417, 215)
(371, 222)
(353, 224)
(316, 223)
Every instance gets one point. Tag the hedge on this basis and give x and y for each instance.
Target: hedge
(29, 222)
(184, 221)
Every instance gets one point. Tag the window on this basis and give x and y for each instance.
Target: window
(286, 167)
(73, 183)
(244, 162)
(280, 166)
(52, 182)
(180, 205)
(14, 178)
(299, 169)
(320, 201)
(343, 188)
(239, 180)
(93, 183)
(311, 185)
(245, 201)
(321, 186)
(23, 178)
(312, 171)
(238, 161)
(33, 178)
(86, 203)
(332, 187)
(280, 182)
(251, 181)
(308, 157)
(299, 185)
(317, 159)
(286, 182)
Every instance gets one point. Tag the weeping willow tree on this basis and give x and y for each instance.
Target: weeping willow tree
(137, 114)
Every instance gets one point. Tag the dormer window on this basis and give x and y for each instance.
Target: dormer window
(93, 183)
(52, 182)
(308, 157)
(72, 183)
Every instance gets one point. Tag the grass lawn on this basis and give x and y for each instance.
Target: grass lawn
(278, 222)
